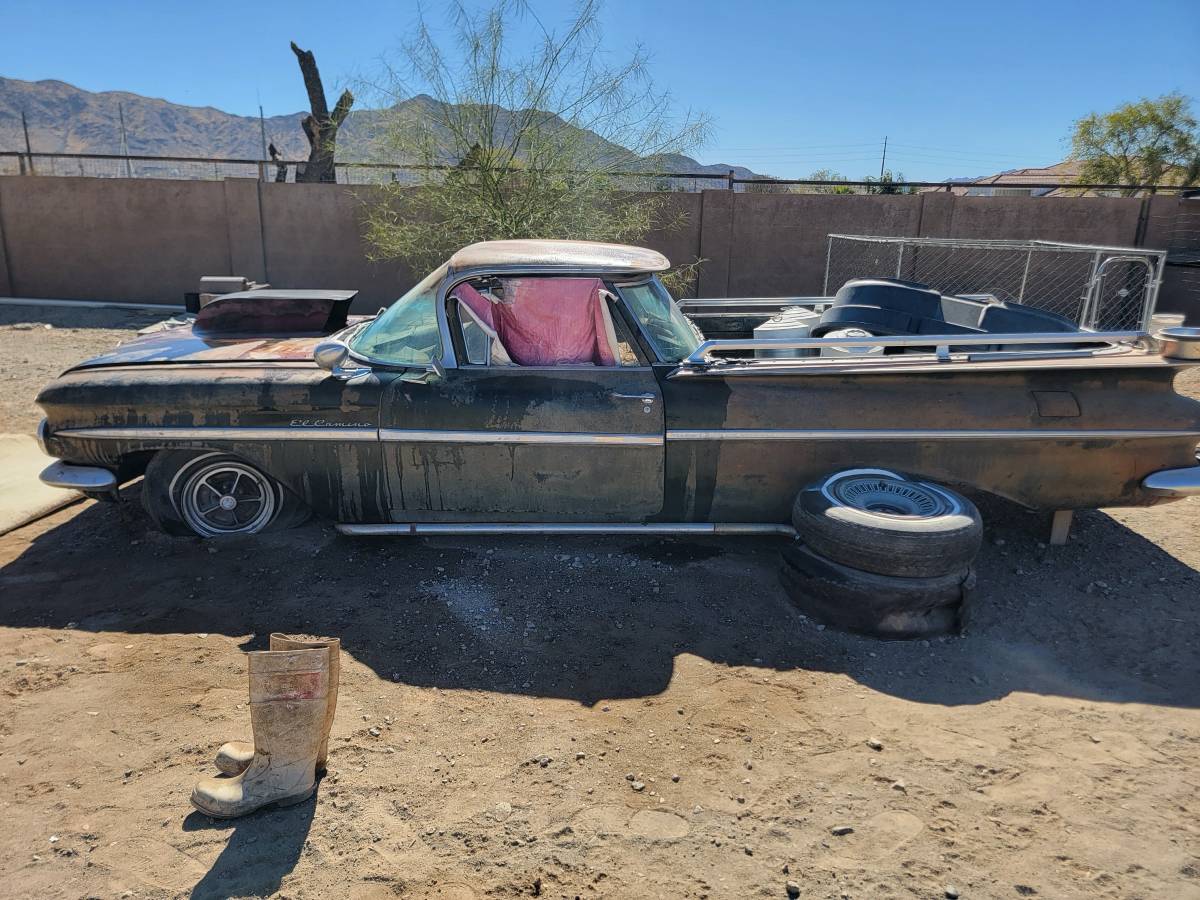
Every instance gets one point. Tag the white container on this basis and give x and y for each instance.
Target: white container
(792, 323)
(1159, 321)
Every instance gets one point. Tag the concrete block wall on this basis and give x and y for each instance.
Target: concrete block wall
(151, 240)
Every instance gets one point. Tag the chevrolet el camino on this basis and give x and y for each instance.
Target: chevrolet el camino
(556, 386)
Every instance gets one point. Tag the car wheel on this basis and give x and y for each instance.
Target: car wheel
(883, 606)
(214, 495)
(888, 523)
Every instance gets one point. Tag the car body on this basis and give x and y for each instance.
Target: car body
(404, 428)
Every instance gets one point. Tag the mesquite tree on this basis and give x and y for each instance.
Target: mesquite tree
(320, 126)
(1146, 142)
(508, 142)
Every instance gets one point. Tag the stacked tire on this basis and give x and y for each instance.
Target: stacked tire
(883, 553)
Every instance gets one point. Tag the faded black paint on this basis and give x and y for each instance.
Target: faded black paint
(177, 379)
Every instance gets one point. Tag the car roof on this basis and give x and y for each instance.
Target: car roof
(589, 256)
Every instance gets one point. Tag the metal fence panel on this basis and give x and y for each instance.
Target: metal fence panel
(1106, 288)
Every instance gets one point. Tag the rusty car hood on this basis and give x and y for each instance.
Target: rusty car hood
(181, 345)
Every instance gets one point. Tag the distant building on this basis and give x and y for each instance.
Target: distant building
(1057, 180)
(1017, 182)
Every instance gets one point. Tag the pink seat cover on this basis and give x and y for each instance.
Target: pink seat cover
(548, 321)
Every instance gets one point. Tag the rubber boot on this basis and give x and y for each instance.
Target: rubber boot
(288, 694)
(234, 756)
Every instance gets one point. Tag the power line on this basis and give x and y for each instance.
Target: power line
(831, 151)
(956, 150)
(798, 146)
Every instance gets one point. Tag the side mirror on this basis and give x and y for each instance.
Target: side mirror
(332, 356)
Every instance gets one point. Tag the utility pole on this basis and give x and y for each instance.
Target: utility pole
(124, 141)
(262, 127)
(883, 158)
(28, 148)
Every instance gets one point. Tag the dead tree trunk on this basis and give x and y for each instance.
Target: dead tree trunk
(320, 126)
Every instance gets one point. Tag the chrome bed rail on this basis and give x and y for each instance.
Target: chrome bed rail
(741, 307)
(704, 354)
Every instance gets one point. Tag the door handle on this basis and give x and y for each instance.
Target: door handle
(645, 398)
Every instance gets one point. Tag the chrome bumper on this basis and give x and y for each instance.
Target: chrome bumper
(78, 478)
(1174, 483)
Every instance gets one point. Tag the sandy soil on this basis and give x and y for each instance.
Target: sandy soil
(38, 343)
(498, 694)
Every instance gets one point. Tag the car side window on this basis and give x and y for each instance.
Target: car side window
(539, 322)
(671, 332)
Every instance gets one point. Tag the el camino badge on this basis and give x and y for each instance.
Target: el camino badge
(326, 423)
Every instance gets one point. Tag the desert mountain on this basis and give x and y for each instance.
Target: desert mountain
(65, 119)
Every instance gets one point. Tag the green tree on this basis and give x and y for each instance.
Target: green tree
(1146, 142)
(887, 184)
(510, 143)
(826, 175)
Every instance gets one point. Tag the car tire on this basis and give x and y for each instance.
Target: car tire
(883, 606)
(888, 523)
(214, 494)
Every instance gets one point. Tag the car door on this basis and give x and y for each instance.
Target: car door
(492, 443)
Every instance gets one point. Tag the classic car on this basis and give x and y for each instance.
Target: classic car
(556, 386)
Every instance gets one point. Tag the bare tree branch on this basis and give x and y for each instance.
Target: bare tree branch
(319, 127)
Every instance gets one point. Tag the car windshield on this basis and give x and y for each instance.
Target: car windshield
(672, 333)
(406, 333)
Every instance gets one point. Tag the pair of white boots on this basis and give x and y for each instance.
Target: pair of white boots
(293, 695)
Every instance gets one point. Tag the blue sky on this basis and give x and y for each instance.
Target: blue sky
(958, 88)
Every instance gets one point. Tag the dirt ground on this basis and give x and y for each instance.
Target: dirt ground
(499, 694)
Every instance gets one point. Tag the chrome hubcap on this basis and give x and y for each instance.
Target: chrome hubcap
(883, 493)
(227, 498)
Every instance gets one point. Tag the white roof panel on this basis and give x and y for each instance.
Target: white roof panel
(588, 255)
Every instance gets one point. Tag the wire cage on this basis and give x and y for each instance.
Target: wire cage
(1098, 287)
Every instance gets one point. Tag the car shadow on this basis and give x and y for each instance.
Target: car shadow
(262, 849)
(1108, 617)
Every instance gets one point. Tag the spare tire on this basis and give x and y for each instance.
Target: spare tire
(879, 605)
(888, 523)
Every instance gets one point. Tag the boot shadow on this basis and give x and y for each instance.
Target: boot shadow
(262, 849)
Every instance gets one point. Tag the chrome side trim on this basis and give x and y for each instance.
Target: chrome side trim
(222, 433)
(78, 478)
(885, 434)
(419, 528)
(1174, 482)
(421, 436)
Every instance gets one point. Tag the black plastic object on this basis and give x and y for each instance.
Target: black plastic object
(1016, 318)
(917, 300)
(886, 306)
(275, 312)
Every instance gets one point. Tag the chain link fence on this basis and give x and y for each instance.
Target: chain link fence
(1105, 288)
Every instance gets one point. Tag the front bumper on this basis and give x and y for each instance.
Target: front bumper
(79, 478)
(1174, 484)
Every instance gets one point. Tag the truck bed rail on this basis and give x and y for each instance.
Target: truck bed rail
(703, 355)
